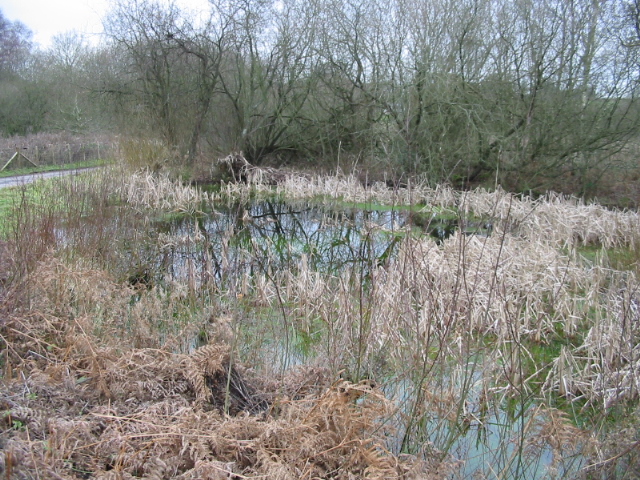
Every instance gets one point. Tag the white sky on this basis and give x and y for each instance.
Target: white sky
(46, 18)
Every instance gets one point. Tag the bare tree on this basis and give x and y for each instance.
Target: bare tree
(204, 47)
(266, 80)
(152, 73)
(15, 45)
(519, 93)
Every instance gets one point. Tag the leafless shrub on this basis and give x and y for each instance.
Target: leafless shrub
(144, 154)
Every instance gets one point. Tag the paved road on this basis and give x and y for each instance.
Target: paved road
(24, 179)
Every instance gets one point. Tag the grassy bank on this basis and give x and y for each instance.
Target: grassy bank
(50, 168)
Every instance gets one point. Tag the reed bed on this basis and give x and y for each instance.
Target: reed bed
(526, 288)
(558, 219)
(146, 190)
(126, 350)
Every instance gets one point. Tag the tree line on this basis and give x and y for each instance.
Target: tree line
(518, 93)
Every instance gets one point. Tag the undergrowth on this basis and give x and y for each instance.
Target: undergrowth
(240, 345)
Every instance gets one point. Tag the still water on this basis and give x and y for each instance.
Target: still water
(265, 237)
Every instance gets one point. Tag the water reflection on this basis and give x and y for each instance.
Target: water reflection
(269, 236)
(242, 242)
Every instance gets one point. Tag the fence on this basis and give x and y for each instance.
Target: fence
(57, 153)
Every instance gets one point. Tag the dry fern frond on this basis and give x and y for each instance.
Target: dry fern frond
(206, 363)
(552, 429)
(218, 382)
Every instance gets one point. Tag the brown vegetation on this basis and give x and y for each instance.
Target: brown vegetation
(104, 377)
(81, 401)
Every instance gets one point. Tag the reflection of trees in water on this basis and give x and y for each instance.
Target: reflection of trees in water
(271, 236)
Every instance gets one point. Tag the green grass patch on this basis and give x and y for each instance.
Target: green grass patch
(35, 197)
(7, 200)
(418, 210)
(10, 201)
(51, 168)
(380, 207)
(619, 258)
(32, 193)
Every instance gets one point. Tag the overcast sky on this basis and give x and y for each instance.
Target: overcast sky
(46, 18)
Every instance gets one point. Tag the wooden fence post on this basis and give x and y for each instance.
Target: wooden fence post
(18, 155)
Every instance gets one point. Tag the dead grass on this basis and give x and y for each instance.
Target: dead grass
(76, 407)
(144, 190)
(103, 377)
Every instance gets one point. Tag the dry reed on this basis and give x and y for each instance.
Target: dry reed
(451, 329)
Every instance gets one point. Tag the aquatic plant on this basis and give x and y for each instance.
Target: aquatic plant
(375, 350)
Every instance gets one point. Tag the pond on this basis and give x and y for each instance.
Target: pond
(278, 235)
(227, 250)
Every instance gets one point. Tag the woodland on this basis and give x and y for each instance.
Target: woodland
(324, 240)
(528, 95)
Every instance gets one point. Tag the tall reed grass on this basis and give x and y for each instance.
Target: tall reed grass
(509, 355)
(520, 315)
